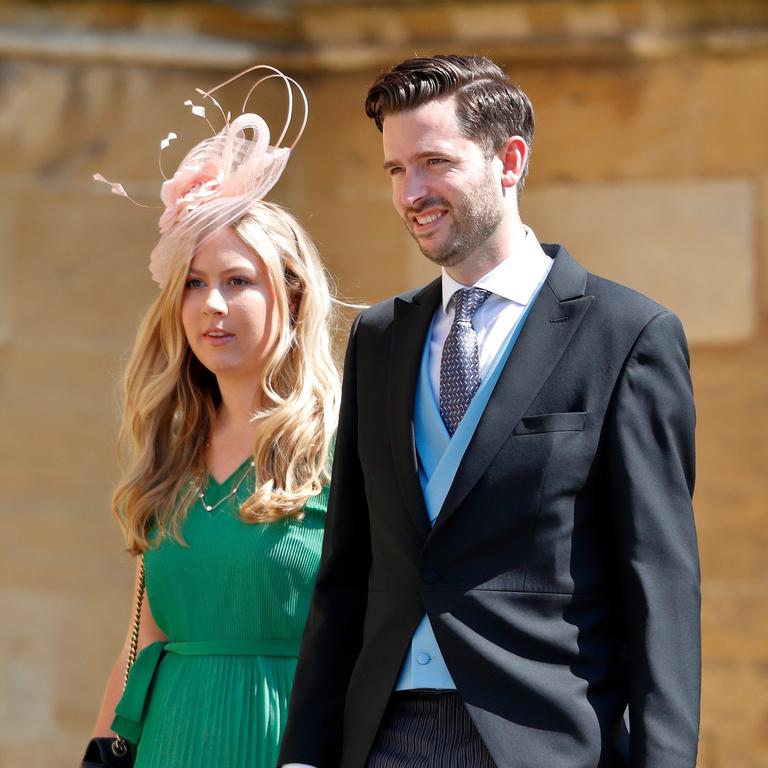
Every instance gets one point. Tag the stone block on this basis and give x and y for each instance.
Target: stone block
(651, 170)
(734, 724)
(728, 120)
(688, 245)
(735, 621)
(346, 195)
(482, 21)
(731, 389)
(611, 121)
(6, 292)
(762, 223)
(643, 119)
(30, 659)
(349, 25)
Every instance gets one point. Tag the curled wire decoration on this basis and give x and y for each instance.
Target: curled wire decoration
(221, 176)
(164, 144)
(289, 82)
(119, 189)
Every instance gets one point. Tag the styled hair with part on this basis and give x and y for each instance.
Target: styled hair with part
(490, 109)
(170, 399)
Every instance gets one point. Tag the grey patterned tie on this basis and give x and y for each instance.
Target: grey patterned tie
(460, 362)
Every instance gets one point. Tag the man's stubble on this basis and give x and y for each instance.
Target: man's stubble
(474, 219)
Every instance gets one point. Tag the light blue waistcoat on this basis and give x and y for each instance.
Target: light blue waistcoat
(439, 458)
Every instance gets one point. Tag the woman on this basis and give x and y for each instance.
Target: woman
(230, 402)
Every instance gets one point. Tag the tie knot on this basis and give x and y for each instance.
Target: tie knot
(467, 302)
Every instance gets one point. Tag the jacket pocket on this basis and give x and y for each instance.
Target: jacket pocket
(551, 422)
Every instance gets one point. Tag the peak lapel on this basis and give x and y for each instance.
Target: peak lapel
(552, 322)
(412, 319)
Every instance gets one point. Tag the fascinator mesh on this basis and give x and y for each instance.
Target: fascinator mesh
(220, 178)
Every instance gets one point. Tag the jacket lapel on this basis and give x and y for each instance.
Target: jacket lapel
(412, 318)
(552, 322)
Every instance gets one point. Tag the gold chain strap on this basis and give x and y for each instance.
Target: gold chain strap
(119, 747)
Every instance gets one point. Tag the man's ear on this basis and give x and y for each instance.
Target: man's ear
(513, 155)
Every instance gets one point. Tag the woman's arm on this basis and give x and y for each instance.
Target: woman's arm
(149, 632)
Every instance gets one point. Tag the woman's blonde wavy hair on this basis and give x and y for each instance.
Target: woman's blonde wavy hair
(170, 399)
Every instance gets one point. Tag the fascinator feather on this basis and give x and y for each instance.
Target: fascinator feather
(221, 177)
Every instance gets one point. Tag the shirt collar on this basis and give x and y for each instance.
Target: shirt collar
(515, 279)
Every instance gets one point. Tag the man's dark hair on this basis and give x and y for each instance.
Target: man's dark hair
(489, 108)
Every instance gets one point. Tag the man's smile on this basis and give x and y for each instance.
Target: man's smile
(423, 222)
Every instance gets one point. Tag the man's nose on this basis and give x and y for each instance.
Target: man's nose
(412, 189)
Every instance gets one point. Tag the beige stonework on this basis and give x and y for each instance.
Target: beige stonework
(28, 679)
(761, 287)
(735, 720)
(689, 245)
(651, 133)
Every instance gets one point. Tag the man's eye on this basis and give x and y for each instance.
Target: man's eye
(395, 170)
(436, 161)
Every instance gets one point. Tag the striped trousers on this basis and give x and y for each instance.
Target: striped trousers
(428, 730)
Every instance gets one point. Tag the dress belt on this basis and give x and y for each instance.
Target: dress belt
(130, 710)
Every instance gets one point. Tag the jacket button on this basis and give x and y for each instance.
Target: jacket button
(423, 658)
(430, 577)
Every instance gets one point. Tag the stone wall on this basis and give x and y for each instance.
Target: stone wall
(650, 164)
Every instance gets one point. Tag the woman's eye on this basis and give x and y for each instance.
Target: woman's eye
(193, 282)
(239, 281)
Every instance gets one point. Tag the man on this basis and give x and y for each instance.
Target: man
(510, 558)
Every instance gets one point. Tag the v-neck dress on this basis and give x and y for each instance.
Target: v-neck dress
(233, 603)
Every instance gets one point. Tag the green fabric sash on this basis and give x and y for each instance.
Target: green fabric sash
(130, 710)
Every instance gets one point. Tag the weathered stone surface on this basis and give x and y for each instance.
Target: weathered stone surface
(762, 256)
(651, 133)
(735, 620)
(28, 649)
(732, 486)
(735, 715)
(688, 245)
(346, 194)
(654, 120)
(611, 122)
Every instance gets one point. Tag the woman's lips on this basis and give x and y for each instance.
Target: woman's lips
(218, 337)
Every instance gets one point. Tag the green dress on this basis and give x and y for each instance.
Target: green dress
(233, 605)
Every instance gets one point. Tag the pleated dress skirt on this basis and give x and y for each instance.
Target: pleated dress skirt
(216, 711)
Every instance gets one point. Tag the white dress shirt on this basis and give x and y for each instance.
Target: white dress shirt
(512, 284)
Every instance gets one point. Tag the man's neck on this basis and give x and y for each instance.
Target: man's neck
(506, 244)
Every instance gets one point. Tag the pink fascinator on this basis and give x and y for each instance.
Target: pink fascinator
(220, 177)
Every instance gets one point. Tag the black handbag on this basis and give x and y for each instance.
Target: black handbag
(105, 751)
(114, 751)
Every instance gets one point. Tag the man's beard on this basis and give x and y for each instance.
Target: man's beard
(473, 220)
